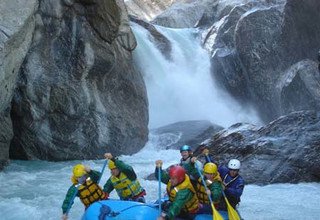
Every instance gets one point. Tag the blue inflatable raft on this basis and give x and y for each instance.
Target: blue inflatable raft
(127, 210)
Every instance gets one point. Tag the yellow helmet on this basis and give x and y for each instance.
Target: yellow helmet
(111, 165)
(210, 168)
(79, 170)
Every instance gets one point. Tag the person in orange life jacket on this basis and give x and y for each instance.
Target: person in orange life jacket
(185, 162)
(182, 196)
(85, 186)
(233, 183)
(124, 180)
(214, 188)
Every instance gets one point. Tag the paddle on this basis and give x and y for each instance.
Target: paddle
(104, 166)
(216, 215)
(78, 185)
(232, 214)
(159, 181)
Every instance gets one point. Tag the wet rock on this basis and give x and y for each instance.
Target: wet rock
(78, 93)
(16, 31)
(286, 150)
(191, 133)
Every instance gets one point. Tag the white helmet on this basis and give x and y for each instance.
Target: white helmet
(234, 164)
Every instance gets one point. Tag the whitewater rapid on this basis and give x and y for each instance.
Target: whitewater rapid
(36, 189)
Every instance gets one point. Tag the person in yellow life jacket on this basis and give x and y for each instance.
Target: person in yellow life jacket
(124, 180)
(184, 202)
(85, 186)
(214, 185)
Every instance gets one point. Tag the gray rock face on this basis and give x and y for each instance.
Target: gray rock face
(191, 133)
(16, 29)
(149, 9)
(284, 151)
(299, 87)
(184, 14)
(254, 45)
(79, 94)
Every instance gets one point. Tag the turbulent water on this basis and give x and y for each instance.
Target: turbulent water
(36, 189)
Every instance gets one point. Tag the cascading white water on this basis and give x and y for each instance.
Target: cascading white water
(182, 88)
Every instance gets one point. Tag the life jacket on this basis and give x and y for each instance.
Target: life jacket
(192, 205)
(201, 190)
(90, 192)
(126, 188)
(184, 162)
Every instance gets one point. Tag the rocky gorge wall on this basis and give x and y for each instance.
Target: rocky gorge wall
(72, 91)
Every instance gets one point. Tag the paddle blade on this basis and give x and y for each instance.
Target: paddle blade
(232, 214)
(216, 215)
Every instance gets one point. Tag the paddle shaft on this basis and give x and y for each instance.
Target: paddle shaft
(159, 181)
(103, 168)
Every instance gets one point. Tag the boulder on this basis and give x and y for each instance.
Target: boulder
(79, 94)
(190, 133)
(184, 14)
(254, 45)
(284, 151)
(16, 32)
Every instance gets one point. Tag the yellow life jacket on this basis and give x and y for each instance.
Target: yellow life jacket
(126, 188)
(192, 205)
(90, 192)
(201, 191)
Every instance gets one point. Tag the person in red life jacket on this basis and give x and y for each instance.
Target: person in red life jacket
(85, 186)
(232, 182)
(124, 180)
(183, 201)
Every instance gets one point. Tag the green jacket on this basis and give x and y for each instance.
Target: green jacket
(181, 197)
(93, 174)
(126, 169)
(216, 191)
(190, 168)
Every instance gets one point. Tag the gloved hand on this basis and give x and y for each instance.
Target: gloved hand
(193, 159)
(64, 217)
(108, 156)
(106, 196)
(159, 163)
(223, 186)
(205, 151)
(87, 169)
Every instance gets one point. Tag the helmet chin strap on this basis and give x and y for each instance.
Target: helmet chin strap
(82, 179)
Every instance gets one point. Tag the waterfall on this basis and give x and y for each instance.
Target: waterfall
(182, 88)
